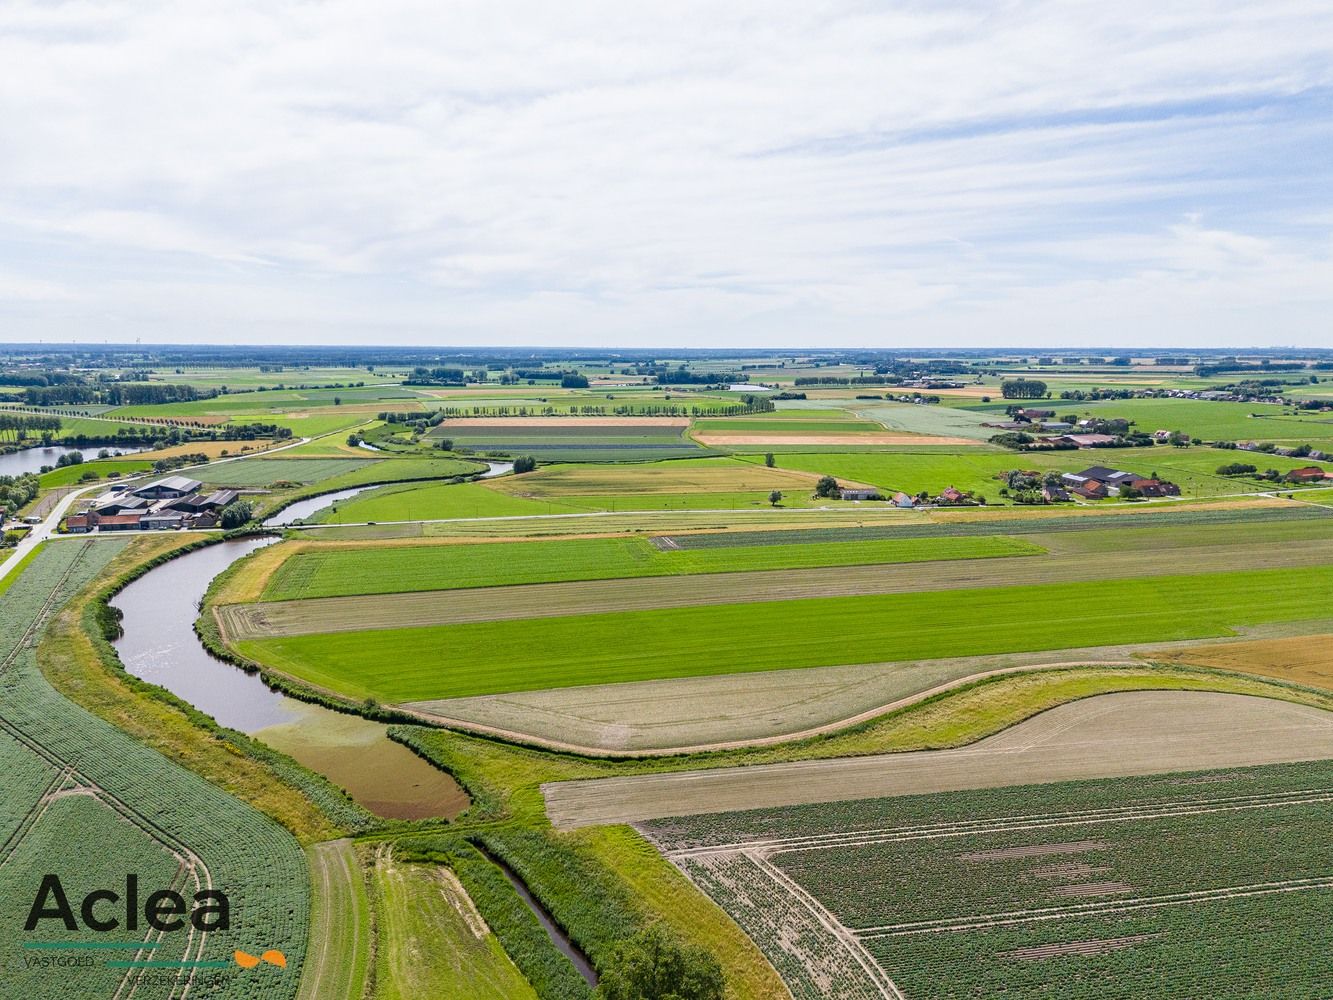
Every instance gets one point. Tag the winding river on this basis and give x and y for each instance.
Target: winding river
(159, 645)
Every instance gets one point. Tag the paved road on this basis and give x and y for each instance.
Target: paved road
(47, 529)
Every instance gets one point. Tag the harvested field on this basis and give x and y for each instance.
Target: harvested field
(1111, 735)
(1306, 659)
(563, 422)
(547, 600)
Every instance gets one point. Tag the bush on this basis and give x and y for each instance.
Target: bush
(236, 514)
(525, 463)
(1236, 469)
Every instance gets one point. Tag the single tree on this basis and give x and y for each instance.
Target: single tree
(525, 463)
(828, 488)
(775, 498)
(655, 965)
(768, 459)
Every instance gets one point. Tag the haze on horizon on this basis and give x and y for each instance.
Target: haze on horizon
(755, 174)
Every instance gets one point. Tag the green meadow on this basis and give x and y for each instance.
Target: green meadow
(411, 664)
(331, 572)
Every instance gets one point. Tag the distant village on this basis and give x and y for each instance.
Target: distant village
(166, 505)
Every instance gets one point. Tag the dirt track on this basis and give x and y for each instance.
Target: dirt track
(1113, 735)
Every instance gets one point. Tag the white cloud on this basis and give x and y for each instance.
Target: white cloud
(682, 173)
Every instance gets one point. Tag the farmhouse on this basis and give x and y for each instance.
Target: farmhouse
(1089, 489)
(1309, 474)
(1156, 487)
(119, 522)
(1054, 494)
(1036, 414)
(1161, 436)
(197, 503)
(852, 494)
(164, 520)
(952, 496)
(169, 489)
(1110, 478)
(80, 524)
(901, 499)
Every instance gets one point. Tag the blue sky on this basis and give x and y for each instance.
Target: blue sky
(694, 174)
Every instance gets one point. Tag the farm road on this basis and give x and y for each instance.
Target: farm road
(1113, 735)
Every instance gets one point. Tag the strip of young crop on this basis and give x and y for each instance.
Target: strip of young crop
(1160, 516)
(1267, 947)
(417, 664)
(341, 929)
(332, 572)
(266, 471)
(238, 849)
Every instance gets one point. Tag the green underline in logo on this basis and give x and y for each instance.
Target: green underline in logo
(89, 945)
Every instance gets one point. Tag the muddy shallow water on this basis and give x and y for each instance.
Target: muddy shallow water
(159, 645)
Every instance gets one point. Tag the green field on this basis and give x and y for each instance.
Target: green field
(439, 567)
(101, 468)
(1037, 892)
(1190, 468)
(266, 471)
(566, 441)
(434, 501)
(412, 664)
(433, 943)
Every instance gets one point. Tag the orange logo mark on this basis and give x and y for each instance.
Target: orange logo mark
(273, 957)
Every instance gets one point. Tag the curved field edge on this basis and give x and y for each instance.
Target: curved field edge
(434, 662)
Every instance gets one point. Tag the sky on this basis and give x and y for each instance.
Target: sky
(767, 174)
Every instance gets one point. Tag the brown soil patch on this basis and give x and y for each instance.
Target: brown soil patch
(1305, 659)
(720, 440)
(1089, 947)
(1092, 889)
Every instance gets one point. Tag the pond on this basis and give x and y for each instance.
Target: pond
(159, 645)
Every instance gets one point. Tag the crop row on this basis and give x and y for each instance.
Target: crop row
(1148, 517)
(369, 570)
(249, 857)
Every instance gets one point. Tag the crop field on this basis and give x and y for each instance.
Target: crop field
(1117, 888)
(101, 468)
(114, 792)
(584, 597)
(430, 501)
(946, 421)
(705, 475)
(1103, 519)
(423, 663)
(573, 439)
(266, 471)
(326, 572)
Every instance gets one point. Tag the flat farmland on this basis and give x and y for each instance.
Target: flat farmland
(1193, 469)
(1304, 659)
(1209, 420)
(573, 439)
(330, 572)
(1121, 887)
(705, 475)
(266, 471)
(441, 661)
(651, 591)
(430, 501)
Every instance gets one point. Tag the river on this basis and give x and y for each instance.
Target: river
(302, 509)
(159, 645)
